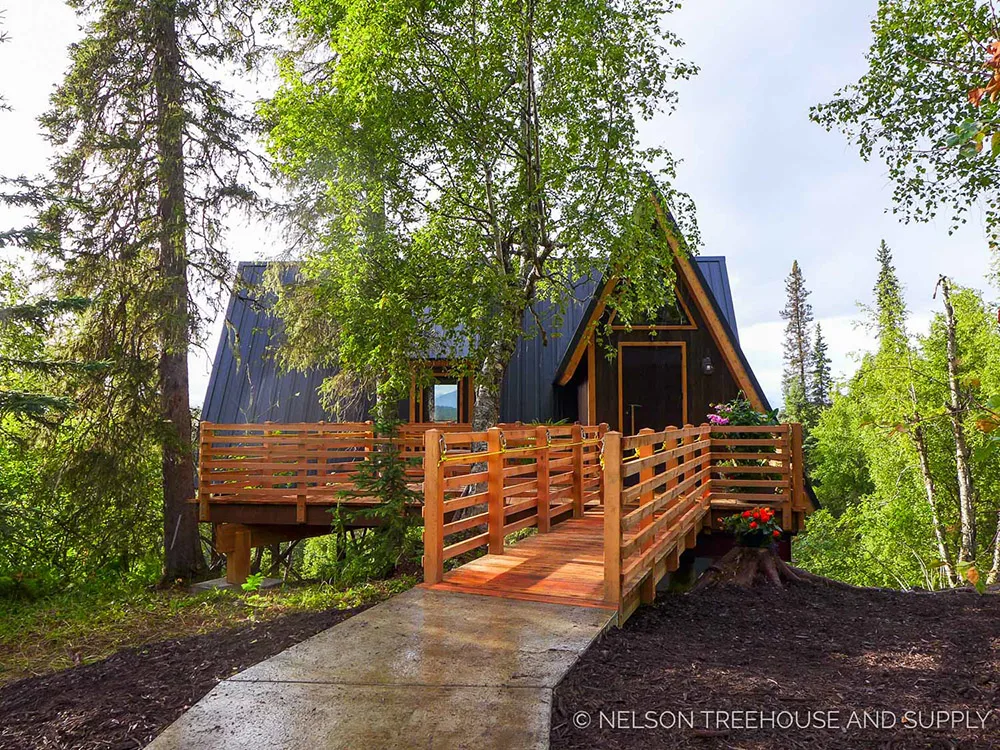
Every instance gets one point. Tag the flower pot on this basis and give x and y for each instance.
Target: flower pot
(755, 539)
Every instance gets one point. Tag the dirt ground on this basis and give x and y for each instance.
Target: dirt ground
(127, 699)
(740, 666)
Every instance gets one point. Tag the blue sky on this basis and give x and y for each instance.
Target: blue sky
(770, 186)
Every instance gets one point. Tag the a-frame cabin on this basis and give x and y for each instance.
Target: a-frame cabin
(664, 372)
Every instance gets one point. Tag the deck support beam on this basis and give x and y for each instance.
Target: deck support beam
(238, 555)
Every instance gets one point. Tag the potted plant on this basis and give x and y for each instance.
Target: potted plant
(756, 527)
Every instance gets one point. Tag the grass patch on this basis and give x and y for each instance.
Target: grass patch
(81, 627)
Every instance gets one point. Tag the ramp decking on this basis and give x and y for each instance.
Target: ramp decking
(564, 566)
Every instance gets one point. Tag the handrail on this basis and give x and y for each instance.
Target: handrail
(662, 488)
(478, 491)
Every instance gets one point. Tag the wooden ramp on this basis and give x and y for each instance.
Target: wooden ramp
(564, 566)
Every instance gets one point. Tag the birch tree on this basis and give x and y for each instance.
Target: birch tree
(457, 162)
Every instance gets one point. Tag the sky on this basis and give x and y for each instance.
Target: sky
(770, 186)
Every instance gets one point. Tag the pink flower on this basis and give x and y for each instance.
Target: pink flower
(716, 419)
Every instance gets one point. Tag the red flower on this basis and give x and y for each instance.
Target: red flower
(776, 533)
(746, 514)
(753, 524)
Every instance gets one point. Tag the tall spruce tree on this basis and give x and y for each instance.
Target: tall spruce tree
(821, 380)
(151, 154)
(798, 317)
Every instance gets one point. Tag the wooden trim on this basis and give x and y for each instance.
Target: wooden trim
(684, 379)
(591, 383)
(466, 397)
(707, 311)
(588, 336)
(691, 326)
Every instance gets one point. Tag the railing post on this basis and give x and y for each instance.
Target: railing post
(204, 487)
(494, 490)
(602, 430)
(613, 519)
(576, 437)
(300, 483)
(688, 458)
(647, 589)
(797, 476)
(433, 508)
(542, 476)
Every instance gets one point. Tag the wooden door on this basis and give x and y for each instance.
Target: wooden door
(652, 385)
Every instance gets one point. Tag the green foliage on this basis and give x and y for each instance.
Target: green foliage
(839, 463)
(740, 411)
(912, 107)
(455, 162)
(253, 583)
(891, 517)
(884, 543)
(798, 316)
(820, 377)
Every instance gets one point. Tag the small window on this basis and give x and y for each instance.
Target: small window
(440, 401)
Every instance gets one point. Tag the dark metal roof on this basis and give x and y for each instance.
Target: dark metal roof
(246, 384)
(715, 278)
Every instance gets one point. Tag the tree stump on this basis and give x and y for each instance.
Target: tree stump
(750, 567)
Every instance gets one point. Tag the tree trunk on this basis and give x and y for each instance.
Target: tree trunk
(925, 472)
(489, 376)
(966, 489)
(183, 558)
(994, 573)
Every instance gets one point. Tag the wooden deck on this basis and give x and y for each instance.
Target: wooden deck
(564, 566)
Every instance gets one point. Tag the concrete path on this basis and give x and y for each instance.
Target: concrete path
(426, 669)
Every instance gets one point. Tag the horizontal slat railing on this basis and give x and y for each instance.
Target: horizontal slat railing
(509, 478)
(300, 463)
(661, 488)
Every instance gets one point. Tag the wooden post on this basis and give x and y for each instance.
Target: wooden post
(797, 477)
(613, 519)
(204, 490)
(647, 589)
(433, 508)
(576, 437)
(542, 476)
(300, 485)
(494, 490)
(238, 558)
(602, 430)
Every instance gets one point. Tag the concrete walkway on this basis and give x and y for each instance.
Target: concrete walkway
(426, 669)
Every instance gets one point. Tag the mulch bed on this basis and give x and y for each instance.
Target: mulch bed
(125, 700)
(815, 653)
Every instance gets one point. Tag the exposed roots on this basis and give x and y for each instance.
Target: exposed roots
(748, 567)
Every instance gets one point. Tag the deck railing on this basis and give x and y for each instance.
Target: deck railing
(303, 463)
(480, 487)
(662, 488)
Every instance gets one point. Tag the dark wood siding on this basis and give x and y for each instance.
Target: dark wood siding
(702, 390)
